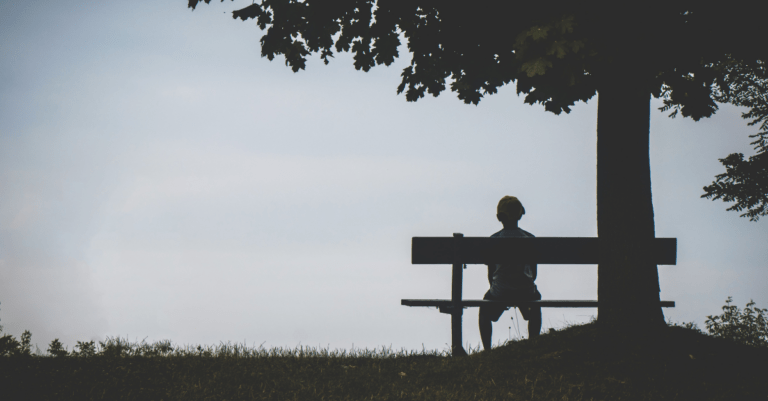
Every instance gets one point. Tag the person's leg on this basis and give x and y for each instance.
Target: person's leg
(488, 314)
(534, 317)
(486, 330)
(534, 322)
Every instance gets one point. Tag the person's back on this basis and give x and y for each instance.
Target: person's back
(512, 278)
(510, 282)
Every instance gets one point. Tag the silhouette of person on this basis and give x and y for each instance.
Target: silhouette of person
(510, 282)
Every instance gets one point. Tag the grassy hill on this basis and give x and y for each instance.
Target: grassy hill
(576, 363)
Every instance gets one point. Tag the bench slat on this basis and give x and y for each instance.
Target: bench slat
(543, 303)
(541, 250)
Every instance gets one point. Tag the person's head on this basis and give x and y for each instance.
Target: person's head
(509, 211)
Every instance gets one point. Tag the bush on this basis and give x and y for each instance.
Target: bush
(686, 325)
(113, 347)
(56, 348)
(84, 349)
(25, 347)
(10, 346)
(749, 326)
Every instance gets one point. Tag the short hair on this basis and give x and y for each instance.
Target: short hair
(510, 208)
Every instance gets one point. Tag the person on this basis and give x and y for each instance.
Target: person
(510, 282)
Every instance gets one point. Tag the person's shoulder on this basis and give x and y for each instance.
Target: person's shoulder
(527, 234)
(512, 232)
(499, 233)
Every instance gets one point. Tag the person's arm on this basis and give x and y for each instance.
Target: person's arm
(491, 270)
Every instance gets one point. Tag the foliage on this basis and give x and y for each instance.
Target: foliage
(745, 181)
(686, 325)
(559, 48)
(10, 346)
(85, 349)
(557, 52)
(25, 344)
(56, 348)
(749, 327)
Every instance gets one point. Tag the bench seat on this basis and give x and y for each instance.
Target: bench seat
(469, 303)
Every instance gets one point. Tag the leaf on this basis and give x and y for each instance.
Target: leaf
(536, 67)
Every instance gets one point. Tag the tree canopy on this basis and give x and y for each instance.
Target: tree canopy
(691, 54)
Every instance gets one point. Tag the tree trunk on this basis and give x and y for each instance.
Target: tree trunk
(628, 282)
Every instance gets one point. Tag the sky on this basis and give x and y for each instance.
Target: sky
(161, 180)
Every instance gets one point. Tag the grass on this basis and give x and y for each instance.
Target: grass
(576, 363)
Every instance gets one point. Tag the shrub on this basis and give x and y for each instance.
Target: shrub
(25, 347)
(686, 325)
(56, 348)
(114, 347)
(9, 346)
(84, 349)
(749, 326)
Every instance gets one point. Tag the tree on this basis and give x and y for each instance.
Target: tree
(557, 53)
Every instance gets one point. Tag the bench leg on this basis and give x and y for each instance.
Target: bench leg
(456, 282)
(456, 348)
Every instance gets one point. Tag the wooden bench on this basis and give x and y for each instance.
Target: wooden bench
(460, 251)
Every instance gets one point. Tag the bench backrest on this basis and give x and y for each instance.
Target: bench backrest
(541, 250)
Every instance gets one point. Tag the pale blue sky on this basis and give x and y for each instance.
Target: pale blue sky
(161, 180)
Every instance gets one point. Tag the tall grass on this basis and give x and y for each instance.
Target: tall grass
(120, 347)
